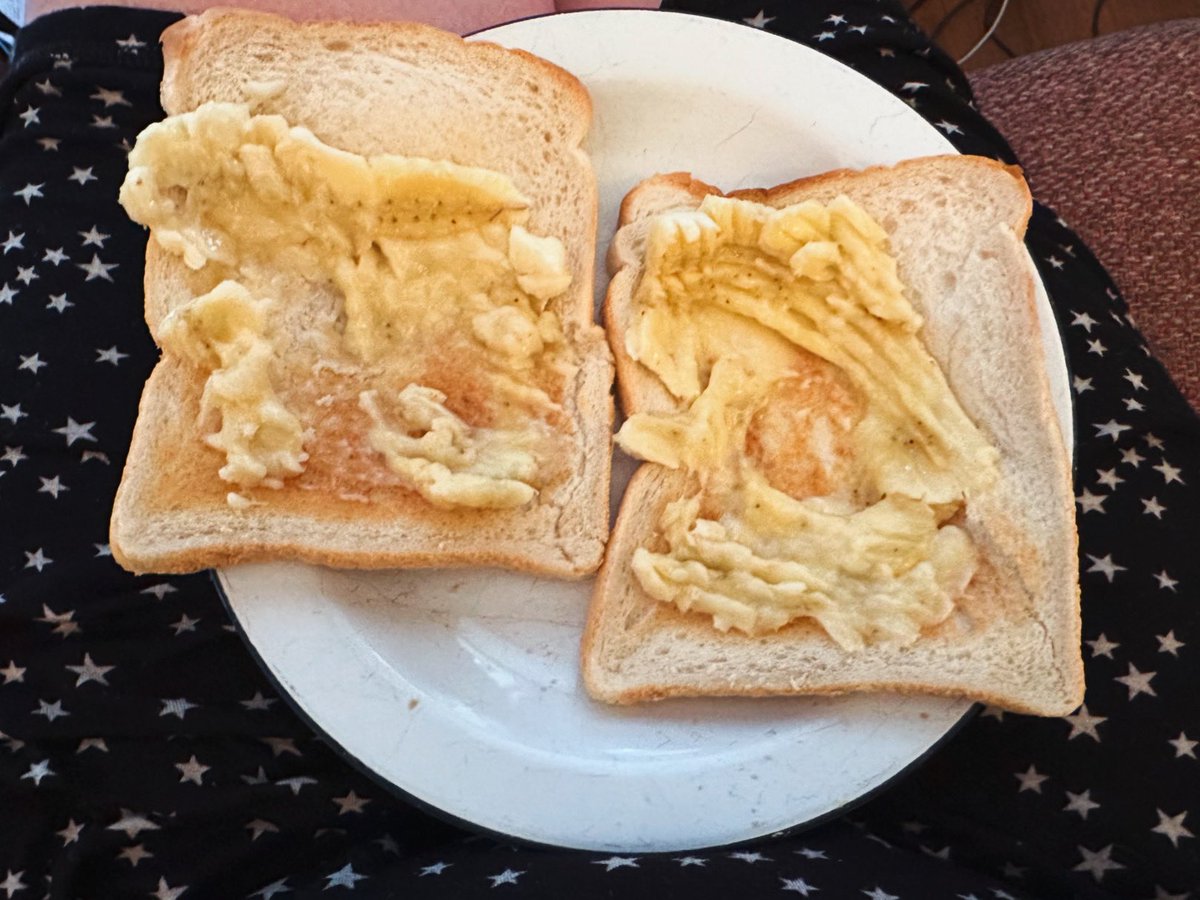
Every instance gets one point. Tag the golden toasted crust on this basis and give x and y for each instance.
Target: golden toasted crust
(1014, 641)
(412, 90)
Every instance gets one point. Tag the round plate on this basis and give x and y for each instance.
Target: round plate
(460, 688)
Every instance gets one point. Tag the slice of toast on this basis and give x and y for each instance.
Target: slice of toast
(955, 225)
(400, 89)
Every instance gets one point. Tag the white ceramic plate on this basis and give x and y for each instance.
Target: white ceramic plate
(460, 688)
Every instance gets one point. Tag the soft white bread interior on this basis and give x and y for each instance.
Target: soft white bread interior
(955, 225)
(389, 88)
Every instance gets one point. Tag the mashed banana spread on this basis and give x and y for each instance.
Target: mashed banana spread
(421, 255)
(735, 301)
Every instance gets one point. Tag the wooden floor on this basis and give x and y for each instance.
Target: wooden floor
(1029, 25)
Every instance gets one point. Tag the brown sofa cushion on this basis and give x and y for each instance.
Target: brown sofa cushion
(1108, 132)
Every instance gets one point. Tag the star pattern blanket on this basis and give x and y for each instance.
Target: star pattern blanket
(144, 754)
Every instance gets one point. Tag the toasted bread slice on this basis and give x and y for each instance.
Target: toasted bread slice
(955, 225)
(408, 90)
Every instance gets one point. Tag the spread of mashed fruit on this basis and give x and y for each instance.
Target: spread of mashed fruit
(829, 453)
(432, 277)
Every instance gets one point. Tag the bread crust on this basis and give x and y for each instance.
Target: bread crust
(410, 89)
(1021, 650)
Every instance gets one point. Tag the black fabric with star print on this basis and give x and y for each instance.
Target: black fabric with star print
(142, 752)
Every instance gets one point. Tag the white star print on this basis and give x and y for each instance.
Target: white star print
(99, 121)
(280, 745)
(38, 771)
(94, 454)
(344, 877)
(258, 701)
(97, 268)
(131, 43)
(83, 176)
(835, 19)
(1108, 477)
(1105, 566)
(691, 861)
(1183, 746)
(879, 893)
(52, 486)
(1138, 682)
(58, 302)
(861, 29)
(103, 549)
(824, 36)
(1055, 261)
(948, 127)
(259, 827)
(1031, 780)
(1096, 347)
(185, 623)
(1134, 379)
(89, 671)
(13, 455)
(275, 887)
(1080, 803)
(1152, 442)
(8, 294)
(1097, 862)
(51, 711)
(110, 98)
(178, 707)
(165, 891)
(1112, 428)
(1089, 502)
(111, 355)
(1084, 320)
(911, 87)
(47, 88)
(193, 770)
(32, 364)
(617, 862)
(799, 885)
(132, 824)
(1083, 722)
(94, 237)
(37, 560)
(1132, 457)
(74, 431)
(26, 275)
(70, 834)
(49, 143)
(508, 876)
(1172, 827)
(13, 883)
(351, 803)
(12, 673)
(759, 20)
(92, 743)
(1133, 405)
(259, 777)
(1169, 472)
(749, 857)
(64, 623)
(13, 242)
(30, 116)
(55, 256)
(296, 783)
(1168, 643)
(886, 52)
(135, 854)
(436, 869)
(1166, 582)
(159, 590)
(30, 191)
